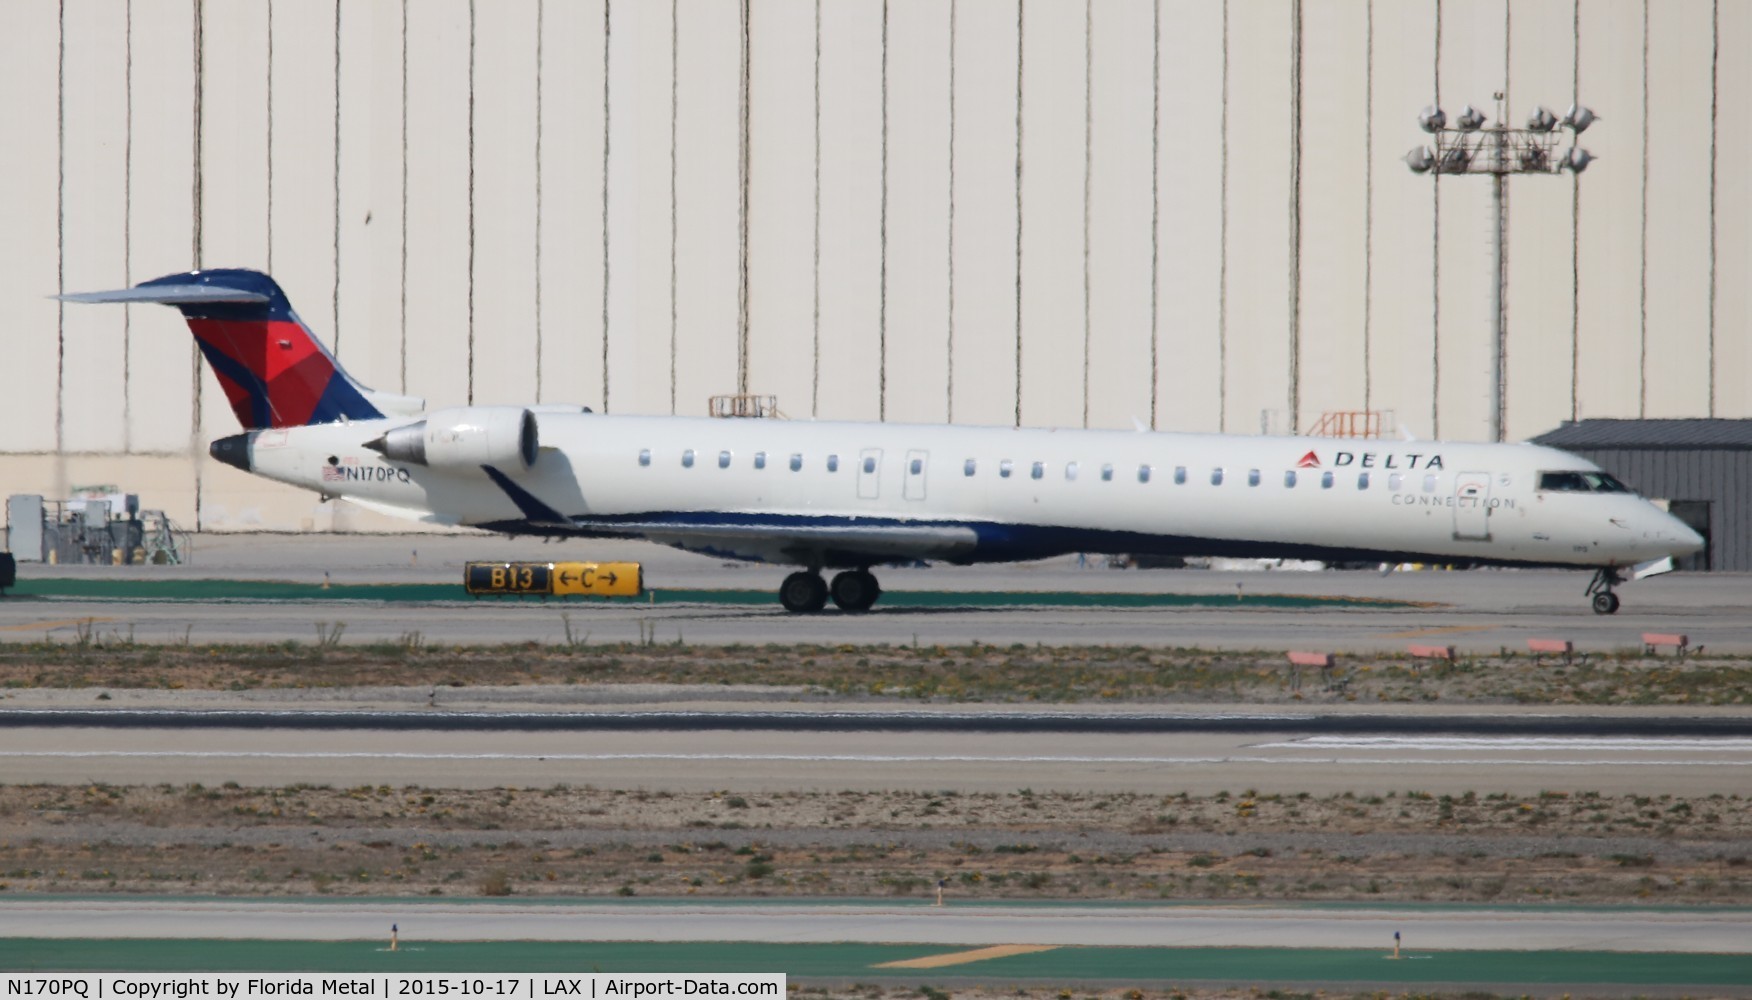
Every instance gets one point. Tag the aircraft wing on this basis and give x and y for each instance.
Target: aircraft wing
(785, 540)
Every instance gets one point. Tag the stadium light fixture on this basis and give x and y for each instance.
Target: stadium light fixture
(1476, 146)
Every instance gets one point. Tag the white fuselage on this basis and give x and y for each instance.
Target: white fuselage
(832, 494)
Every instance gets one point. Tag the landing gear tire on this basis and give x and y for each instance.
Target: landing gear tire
(855, 590)
(803, 592)
(1605, 601)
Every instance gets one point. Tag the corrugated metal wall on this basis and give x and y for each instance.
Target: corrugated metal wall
(1721, 476)
(986, 211)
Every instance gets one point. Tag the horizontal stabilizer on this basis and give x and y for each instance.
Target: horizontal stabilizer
(169, 295)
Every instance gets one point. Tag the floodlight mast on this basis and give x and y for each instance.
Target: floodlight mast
(1468, 147)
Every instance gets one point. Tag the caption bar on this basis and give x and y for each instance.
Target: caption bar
(398, 986)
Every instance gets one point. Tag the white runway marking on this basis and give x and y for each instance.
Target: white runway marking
(865, 758)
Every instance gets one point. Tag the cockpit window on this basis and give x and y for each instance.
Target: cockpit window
(1580, 482)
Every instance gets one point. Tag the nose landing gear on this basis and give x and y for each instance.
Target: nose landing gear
(1605, 601)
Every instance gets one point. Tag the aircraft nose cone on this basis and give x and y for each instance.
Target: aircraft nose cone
(1678, 537)
(1687, 540)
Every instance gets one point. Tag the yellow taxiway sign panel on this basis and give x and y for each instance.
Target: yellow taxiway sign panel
(560, 579)
(590, 579)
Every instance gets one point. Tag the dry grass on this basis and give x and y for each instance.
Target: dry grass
(377, 840)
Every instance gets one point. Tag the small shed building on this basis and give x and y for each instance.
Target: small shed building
(1701, 470)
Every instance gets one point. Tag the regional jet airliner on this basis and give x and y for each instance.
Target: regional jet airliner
(852, 496)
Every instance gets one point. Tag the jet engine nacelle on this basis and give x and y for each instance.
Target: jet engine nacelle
(463, 437)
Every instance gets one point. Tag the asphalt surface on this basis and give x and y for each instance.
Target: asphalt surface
(1482, 610)
(1521, 751)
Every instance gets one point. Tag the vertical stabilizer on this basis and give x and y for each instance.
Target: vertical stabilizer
(274, 371)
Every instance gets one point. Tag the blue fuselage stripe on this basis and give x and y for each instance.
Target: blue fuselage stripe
(996, 542)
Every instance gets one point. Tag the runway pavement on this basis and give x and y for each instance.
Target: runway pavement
(1284, 761)
(1481, 610)
(1449, 928)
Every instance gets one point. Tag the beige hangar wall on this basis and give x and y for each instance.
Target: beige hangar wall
(1049, 212)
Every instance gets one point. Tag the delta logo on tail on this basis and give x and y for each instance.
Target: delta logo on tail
(274, 371)
(1309, 461)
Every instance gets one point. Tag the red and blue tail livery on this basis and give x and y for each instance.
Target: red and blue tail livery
(273, 369)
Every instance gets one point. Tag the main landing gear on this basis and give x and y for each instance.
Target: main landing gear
(1605, 601)
(853, 590)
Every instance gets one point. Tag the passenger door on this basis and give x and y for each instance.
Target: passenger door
(1472, 506)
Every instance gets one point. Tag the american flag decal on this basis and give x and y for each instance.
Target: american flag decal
(331, 474)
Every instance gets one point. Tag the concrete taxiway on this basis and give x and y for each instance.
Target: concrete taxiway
(766, 761)
(1482, 610)
(1505, 928)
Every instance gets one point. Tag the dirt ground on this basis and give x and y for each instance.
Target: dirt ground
(1410, 846)
(943, 674)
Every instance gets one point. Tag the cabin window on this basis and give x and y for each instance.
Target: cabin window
(1430, 483)
(1253, 477)
(1107, 472)
(917, 466)
(687, 459)
(1037, 470)
(1070, 470)
(723, 460)
(1362, 480)
(1143, 473)
(760, 459)
(1216, 477)
(644, 456)
(1180, 475)
(796, 461)
(869, 463)
(1004, 467)
(833, 463)
(1326, 480)
(969, 467)
(1395, 481)
(1290, 479)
